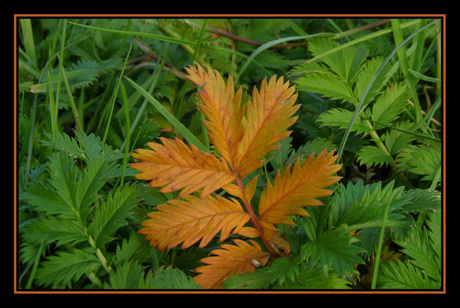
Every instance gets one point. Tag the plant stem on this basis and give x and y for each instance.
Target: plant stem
(402, 56)
(378, 141)
(379, 248)
(255, 222)
(34, 268)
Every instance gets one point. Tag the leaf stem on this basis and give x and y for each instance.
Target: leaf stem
(255, 222)
(379, 248)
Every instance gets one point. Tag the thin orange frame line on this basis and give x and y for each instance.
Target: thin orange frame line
(443, 291)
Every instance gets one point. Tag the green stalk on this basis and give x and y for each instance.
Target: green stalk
(128, 132)
(379, 248)
(378, 141)
(115, 95)
(28, 40)
(78, 124)
(404, 64)
(34, 268)
(438, 63)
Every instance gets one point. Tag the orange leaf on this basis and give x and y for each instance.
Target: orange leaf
(192, 219)
(230, 260)
(296, 189)
(222, 108)
(268, 115)
(175, 166)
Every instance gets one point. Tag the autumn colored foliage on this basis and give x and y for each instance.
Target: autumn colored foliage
(243, 134)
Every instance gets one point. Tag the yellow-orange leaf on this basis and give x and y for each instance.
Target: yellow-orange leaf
(192, 219)
(268, 115)
(244, 137)
(229, 260)
(175, 166)
(296, 189)
(222, 108)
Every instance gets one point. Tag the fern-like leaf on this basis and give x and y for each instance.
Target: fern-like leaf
(401, 275)
(192, 219)
(61, 269)
(222, 108)
(229, 260)
(174, 165)
(268, 115)
(290, 192)
(109, 215)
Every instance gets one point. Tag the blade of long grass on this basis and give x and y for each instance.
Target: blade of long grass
(35, 266)
(124, 99)
(28, 40)
(404, 64)
(173, 120)
(377, 73)
(115, 95)
(151, 82)
(379, 247)
(78, 124)
(415, 62)
(58, 87)
(276, 42)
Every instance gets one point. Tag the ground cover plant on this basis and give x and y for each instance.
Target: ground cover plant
(165, 154)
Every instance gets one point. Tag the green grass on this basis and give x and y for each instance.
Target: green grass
(90, 91)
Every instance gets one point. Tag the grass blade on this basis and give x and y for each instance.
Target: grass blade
(172, 119)
(115, 95)
(276, 42)
(28, 39)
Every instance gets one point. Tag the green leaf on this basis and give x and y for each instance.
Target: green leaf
(435, 233)
(420, 160)
(125, 276)
(342, 117)
(110, 214)
(129, 247)
(401, 275)
(362, 206)
(168, 279)
(265, 277)
(421, 200)
(419, 248)
(398, 138)
(390, 104)
(61, 269)
(93, 177)
(49, 229)
(46, 199)
(334, 248)
(315, 278)
(340, 62)
(367, 72)
(328, 85)
(63, 178)
(371, 155)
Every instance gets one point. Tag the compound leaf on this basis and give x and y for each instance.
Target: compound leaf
(192, 219)
(293, 190)
(174, 165)
(228, 261)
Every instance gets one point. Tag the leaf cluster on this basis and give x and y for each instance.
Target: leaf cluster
(381, 113)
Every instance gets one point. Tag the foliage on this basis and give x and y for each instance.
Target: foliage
(243, 175)
(242, 136)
